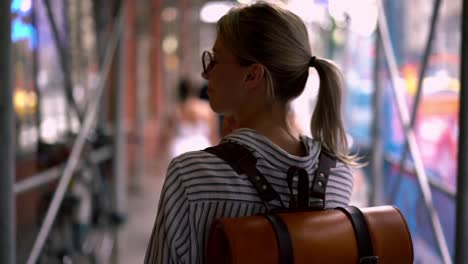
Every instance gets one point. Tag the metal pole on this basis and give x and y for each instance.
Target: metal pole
(397, 90)
(7, 145)
(436, 184)
(120, 160)
(35, 72)
(142, 88)
(417, 98)
(50, 175)
(64, 63)
(142, 65)
(377, 149)
(120, 135)
(461, 254)
(74, 159)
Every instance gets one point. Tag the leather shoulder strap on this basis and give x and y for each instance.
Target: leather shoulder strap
(319, 184)
(242, 161)
(283, 238)
(361, 231)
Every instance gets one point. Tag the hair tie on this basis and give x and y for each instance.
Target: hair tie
(313, 61)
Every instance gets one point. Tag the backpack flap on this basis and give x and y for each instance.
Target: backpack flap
(325, 236)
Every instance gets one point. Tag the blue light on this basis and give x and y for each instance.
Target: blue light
(21, 6)
(15, 5)
(22, 31)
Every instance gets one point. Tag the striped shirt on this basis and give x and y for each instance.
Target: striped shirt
(200, 188)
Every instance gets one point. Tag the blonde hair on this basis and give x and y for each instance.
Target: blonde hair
(277, 38)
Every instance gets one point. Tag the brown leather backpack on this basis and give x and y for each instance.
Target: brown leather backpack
(305, 232)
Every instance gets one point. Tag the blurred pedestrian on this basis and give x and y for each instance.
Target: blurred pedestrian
(195, 124)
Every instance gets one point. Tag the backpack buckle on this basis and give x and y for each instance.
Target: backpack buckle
(369, 260)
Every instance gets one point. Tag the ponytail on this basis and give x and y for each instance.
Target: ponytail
(327, 123)
(278, 39)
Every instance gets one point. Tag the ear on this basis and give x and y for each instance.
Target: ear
(255, 75)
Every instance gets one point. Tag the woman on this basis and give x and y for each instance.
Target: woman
(260, 62)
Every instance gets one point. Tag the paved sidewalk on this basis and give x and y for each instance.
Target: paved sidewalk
(142, 206)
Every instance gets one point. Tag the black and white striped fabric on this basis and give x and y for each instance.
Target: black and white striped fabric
(200, 187)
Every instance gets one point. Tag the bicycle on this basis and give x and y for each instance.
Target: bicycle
(83, 231)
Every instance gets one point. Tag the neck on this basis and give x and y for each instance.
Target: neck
(271, 121)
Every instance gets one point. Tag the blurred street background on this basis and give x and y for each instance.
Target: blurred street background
(96, 97)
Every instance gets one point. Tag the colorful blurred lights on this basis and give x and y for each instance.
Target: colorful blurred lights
(24, 102)
(22, 6)
(170, 44)
(25, 6)
(211, 12)
(169, 14)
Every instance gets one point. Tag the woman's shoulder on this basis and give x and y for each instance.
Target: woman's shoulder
(198, 162)
(202, 173)
(190, 157)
